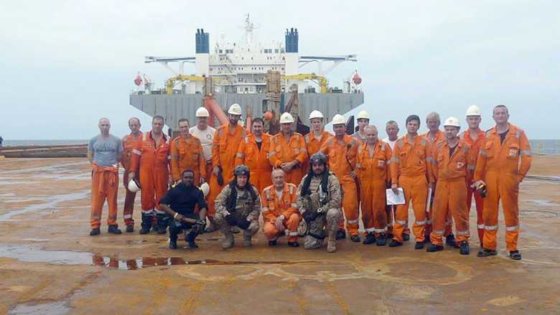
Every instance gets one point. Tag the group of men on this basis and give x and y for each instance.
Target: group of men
(315, 186)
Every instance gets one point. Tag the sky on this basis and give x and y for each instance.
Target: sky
(65, 64)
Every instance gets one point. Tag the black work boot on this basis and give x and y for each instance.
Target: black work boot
(146, 223)
(381, 240)
(483, 252)
(190, 238)
(355, 238)
(464, 248)
(162, 222)
(272, 243)
(172, 244)
(129, 228)
(419, 245)
(395, 243)
(293, 244)
(94, 232)
(515, 255)
(450, 240)
(340, 234)
(406, 237)
(370, 239)
(434, 248)
(114, 229)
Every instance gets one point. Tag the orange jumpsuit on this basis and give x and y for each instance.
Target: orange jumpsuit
(410, 170)
(471, 192)
(503, 166)
(104, 185)
(452, 173)
(186, 153)
(274, 206)
(153, 163)
(342, 162)
(130, 142)
(432, 147)
(373, 174)
(282, 150)
(256, 159)
(313, 145)
(224, 151)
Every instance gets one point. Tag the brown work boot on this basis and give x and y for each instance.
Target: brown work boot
(331, 243)
(247, 237)
(228, 238)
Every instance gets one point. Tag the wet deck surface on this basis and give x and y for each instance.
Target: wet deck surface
(50, 265)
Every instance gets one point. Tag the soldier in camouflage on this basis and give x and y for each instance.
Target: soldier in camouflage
(238, 204)
(320, 203)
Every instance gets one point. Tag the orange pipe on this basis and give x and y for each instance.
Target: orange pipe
(215, 109)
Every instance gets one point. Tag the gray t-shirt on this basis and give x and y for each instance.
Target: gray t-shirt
(105, 151)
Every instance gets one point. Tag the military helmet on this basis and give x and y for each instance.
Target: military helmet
(241, 170)
(318, 157)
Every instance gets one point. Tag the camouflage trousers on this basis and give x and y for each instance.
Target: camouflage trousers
(323, 226)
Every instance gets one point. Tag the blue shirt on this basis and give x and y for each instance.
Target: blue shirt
(105, 150)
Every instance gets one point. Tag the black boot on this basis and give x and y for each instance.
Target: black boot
(381, 240)
(434, 248)
(114, 229)
(464, 248)
(370, 239)
(190, 238)
(419, 245)
(450, 240)
(146, 223)
(162, 223)
(340, 234)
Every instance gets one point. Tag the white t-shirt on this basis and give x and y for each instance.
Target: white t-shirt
(391, 143)
(206, 137)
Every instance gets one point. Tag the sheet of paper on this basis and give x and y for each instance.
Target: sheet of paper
(428, 204)
(395, 199)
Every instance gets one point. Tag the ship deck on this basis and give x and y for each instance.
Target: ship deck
(49, 263)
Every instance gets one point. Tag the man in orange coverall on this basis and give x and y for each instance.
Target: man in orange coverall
(224, 150)
(434, 136)
(279, 210)
(104, 154)
(372, 167)
(503, 162)
(476, 138)
(130, 142)
(253, 152)
(186, 153)
(287, 150)
(316, 136)
(409, 170)
(151, 159)
(341, 151)
(451, 170)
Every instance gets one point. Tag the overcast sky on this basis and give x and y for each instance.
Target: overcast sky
(65, 64)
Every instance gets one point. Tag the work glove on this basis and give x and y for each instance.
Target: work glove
(243, 224)
(280, 223)
(230, 219)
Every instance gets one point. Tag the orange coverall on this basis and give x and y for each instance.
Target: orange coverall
(274, 206)
(451, 174)
(432, 147)
(342, 162)
(257, 160)
(373, 174)
(104, 185)
(313, 146)
(282, 150)
(503, 166)
(410, 170)
(130, 142)
(186, 153)
(471, 192)
(153, 164)
(224, 151)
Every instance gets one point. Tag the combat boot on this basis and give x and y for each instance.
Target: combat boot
(331, 242)
(247, 237)
(228, 237)
(146, 223)
(340, 234)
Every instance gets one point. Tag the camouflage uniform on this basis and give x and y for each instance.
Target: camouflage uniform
(245, 209)
(331, 212)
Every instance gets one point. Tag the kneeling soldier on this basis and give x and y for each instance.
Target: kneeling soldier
(238, 205)
(180, 203)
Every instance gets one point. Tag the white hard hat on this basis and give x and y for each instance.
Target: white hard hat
(286, 118)
(202, 112)
(338, 119)
(235, 109)
(452, 121)
(316, 114)
(362, 115)
(134, 185)
(205, 188)
(473, 110)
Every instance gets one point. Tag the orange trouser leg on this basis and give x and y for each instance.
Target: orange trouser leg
(379, 203)
(366, 204)
(479, 209)
(291, 224)
(350, 205)
(459, 211)
(147, 193)
(270, 231)
(97, 200)
(215, 190)
(440, 211)
(509, 193)
(415, 189)
(111, 191)
(128, 202)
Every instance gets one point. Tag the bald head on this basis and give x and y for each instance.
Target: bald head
(104, 126)
(278, 178)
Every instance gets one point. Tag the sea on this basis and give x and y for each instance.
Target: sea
(538, 146)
